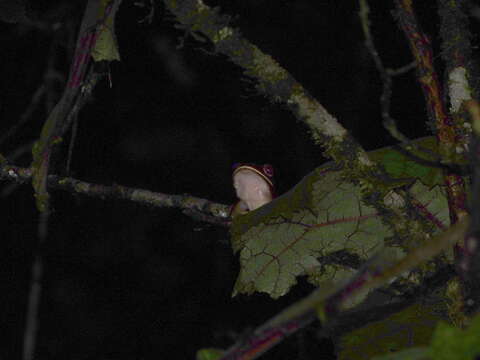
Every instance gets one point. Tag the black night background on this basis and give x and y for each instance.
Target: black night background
(125, 281)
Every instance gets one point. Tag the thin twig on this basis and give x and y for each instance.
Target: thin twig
(386, 74)
(149, 17)
(73, 136)
(215, 212)
(37, 95)
(31, 324)
(51, 78)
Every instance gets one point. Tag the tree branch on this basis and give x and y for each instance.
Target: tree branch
(280, 86)
(197, 208)
(421, 49)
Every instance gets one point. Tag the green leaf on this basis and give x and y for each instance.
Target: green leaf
(400, 166)
(295, 234)
(106, 47)
(450, 343)
(410, 327)
(447, 343)
(286, 238)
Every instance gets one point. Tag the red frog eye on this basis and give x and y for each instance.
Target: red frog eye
(268, 170)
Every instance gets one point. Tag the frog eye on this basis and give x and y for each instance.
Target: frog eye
(268, 170)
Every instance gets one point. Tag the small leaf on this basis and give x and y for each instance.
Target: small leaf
(289, 237)
(400, 166)
(106, 47)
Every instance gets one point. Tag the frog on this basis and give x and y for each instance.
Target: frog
(254, 186)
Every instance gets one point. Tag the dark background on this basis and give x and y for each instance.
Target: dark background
(124, 281)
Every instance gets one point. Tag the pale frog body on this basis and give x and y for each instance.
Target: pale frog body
(254, 187)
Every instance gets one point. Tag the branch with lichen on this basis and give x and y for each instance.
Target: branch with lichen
(280, 86)
(420, 47)
(199, 209)
(457, 56)
(453, 129)
(272, 80)
(460, 68)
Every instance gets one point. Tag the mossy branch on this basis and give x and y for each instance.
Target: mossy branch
(280, 86)
(195, 207)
